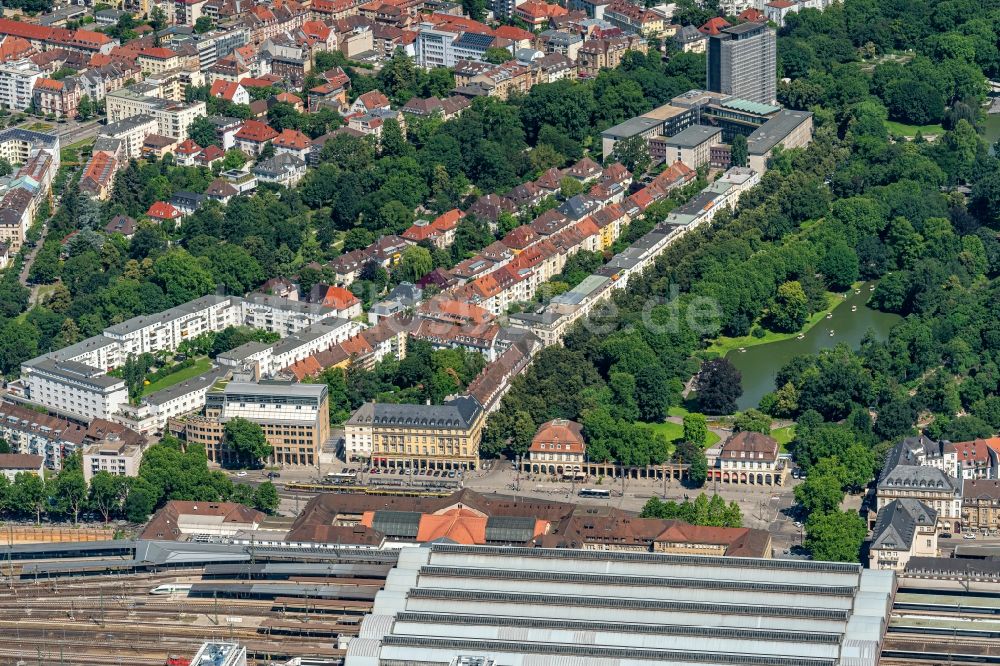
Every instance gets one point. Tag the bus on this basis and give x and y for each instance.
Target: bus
(594, 492)
(341, 478)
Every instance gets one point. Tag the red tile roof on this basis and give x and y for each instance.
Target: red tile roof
(188, 147)
(210, 154)
(222, 89)
(714, 26)
(256, 131)
(514, 33)
(339, 298)
(161, 210)
(159, 53)
(292, 139)
(373, 99)
(288, 98)
(567, 434)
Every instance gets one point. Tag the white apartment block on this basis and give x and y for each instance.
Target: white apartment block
(166, 330)
(113, 456)
(152, 414)
(357, 440)
(172, 118)
(73, 389)
(132, 132)
(318, 337)
(17, 84)
(281, 315)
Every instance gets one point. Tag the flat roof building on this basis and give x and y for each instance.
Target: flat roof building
(523, 606)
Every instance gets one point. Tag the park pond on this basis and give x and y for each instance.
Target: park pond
(847, 323)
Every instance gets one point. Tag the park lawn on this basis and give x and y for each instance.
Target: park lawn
(783, 436)
(902, 129)
(674, 431)
(39, 127)
(722, 345)
(201, 365)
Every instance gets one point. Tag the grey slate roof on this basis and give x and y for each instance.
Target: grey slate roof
(897, 524)
(458, 413)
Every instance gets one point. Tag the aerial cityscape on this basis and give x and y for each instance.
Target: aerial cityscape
(499, 333)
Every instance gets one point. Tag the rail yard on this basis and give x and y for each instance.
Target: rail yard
(93, 603)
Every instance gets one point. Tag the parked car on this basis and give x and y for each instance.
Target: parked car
(968, 535)
(946, 535)
(241, 473)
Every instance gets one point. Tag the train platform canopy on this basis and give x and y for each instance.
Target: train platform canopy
(530, 606)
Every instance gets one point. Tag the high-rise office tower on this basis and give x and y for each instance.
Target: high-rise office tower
(741, 62)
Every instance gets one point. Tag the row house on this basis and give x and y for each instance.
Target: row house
(553, 67)
(57, 98)
(635, 19)
(290, 62)
(498, 81)
(440, 231)
(333, 10)
(316, 36)
(597, 54)
(157, 60)
(99, 173)
(537, 14)
(332, 93)
(447, 108)
(981, 504)
(45, 38)
(479, 338)
(387, 39)
(977, 459)
(559, 42)
(489, 207)
(268, 21)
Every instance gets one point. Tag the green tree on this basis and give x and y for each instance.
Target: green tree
(29, 494)
(840, 266)
(70, 492)
(265, 498)
(740, 154)
(496, 55)
(416, 262)
(158, 18)
(695, 429)
(85, 108)
(203, 24)
(202, 132)
(569, 187)
(752, 420)
(835, 536)
(859, 466)
(633, 153)
(790, 308)
(107, 493)
(820, 493)
(247, 442)
(141, 501)
(182, 277)
(719, 386)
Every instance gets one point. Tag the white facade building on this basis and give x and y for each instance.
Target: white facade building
(281, 315)
(17, 84)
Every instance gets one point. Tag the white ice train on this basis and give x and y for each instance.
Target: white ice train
(171, 588)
